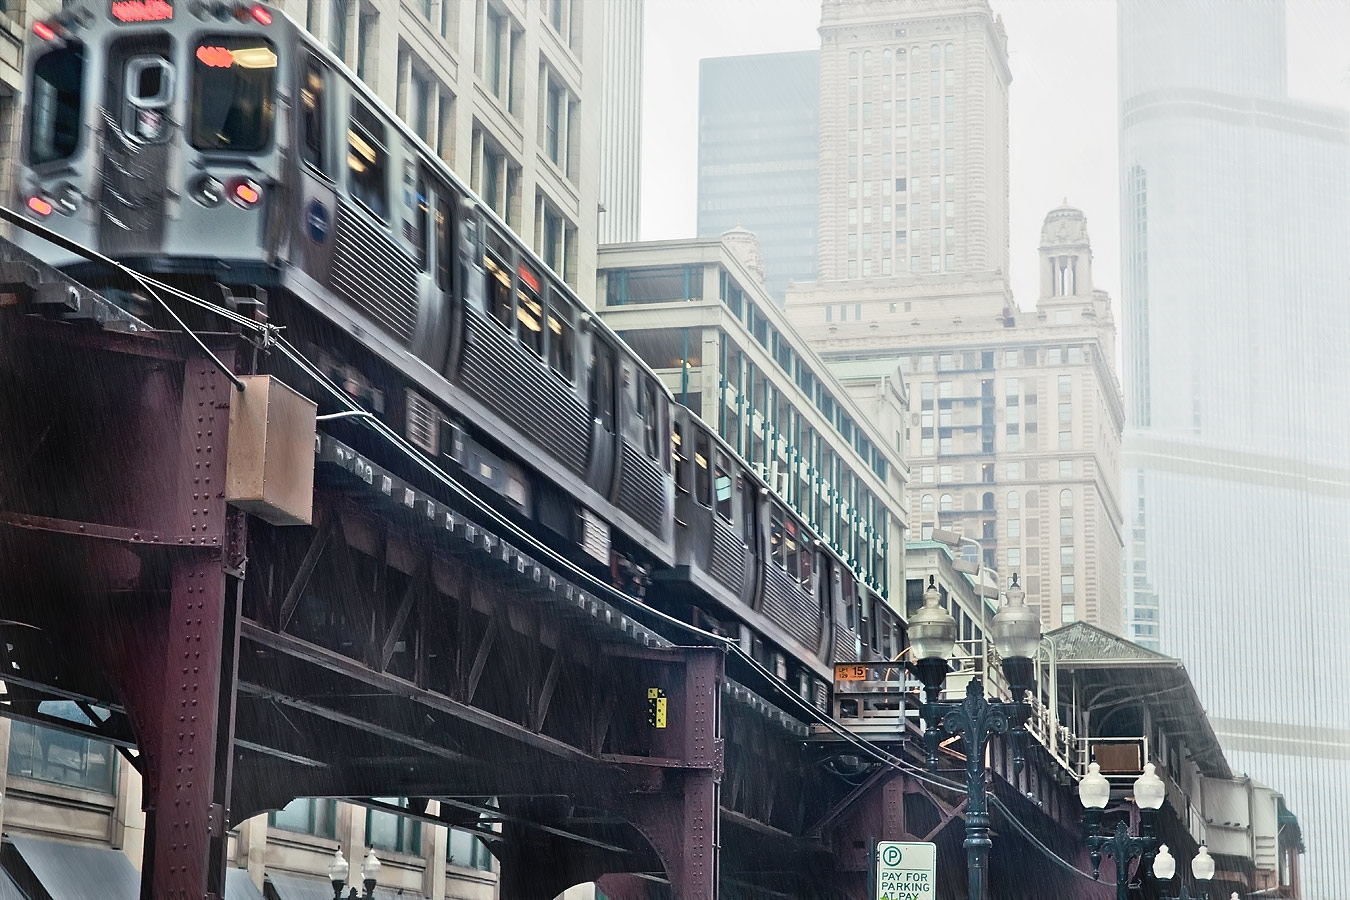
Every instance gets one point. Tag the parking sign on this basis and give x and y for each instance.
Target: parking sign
(906, 871)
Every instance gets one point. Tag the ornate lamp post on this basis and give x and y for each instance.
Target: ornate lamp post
(1202, 867)
(370, 874)
(1017, 635)
(1094, 791)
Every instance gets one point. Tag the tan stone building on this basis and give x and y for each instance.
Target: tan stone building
(697, 311)
(70, 809)
(1015, 422)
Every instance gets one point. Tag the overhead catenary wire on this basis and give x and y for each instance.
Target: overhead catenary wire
(270, 337)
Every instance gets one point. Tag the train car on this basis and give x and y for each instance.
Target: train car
(216, 145)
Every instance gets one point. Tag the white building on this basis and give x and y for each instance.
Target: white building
(1235, 211)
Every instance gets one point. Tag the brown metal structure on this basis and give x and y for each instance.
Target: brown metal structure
(393, 647)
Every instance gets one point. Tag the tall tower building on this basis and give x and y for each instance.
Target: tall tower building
(1014, 435)
(1235, 204)
(759, 157)
(620, 120)
(913, 140)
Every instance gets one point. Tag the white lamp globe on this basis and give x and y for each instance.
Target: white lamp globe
(1164, 864)
(1148, 789)
(1093, 789)
(1202, 867)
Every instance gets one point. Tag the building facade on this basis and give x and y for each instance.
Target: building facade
(698, 313)
(72, 803)
(759, 157)
(1235, 205)
(621, 121)
(913, 140)
(1015, 422)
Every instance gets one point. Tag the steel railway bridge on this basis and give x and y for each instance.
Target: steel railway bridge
(395, 646)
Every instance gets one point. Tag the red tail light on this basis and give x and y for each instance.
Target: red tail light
(40, 205)
(44, 31)
(262, 16)
(246, 193)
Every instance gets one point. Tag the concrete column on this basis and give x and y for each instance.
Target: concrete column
(435, 843)
(5, 725)
(253, 848)
(351, 835)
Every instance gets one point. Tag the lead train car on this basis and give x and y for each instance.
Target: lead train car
(217, 142)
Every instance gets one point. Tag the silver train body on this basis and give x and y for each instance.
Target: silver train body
(219, 141)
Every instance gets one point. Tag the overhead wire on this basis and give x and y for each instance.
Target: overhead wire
(271, 337)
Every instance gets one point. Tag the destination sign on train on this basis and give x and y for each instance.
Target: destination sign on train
(142, 10)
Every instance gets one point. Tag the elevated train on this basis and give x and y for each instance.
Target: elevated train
(206, 141)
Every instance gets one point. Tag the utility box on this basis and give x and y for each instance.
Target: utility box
(269, 470)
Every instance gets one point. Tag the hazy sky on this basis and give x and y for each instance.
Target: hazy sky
(1063, 114)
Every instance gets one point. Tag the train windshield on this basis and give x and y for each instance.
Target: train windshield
(54, 113)
(233, 86)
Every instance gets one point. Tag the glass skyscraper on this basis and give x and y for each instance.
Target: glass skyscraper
(759, 157)
(1235, 205)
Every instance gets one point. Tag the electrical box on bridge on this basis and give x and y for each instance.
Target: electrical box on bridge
(269, 471)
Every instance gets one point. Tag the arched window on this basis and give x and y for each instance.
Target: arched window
(951, 52)
(987, 501)
(853, 61)
(886, 57)
(935, 55)
(867, 59)
(1065, 498)
(945, 503)
(926, 504)
(1014, 502)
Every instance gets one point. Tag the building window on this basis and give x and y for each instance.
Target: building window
(391, 832)
(1014, 528)
(1014, 556)
(1066, 440)
(926, 503)
(1012, 471)
(1065, 413)
(367, 41)
(1066, 526)
(1066, 585)
(926, 474)
(1065, 499)
(1014, 500)
(555, 122)
(498, 57)
(338, 15)
(466, 851)
(1066, 555)
(46, 754)
(307, 815)
(1066, 468)
(1065, 383)
(1067, 613)
(419, 104)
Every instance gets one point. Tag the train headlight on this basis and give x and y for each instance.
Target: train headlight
(67, 199)
(245, 193)
(208, 191)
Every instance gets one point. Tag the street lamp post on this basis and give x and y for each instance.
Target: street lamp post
(975, 719)
(1094, 791)
(370, 874)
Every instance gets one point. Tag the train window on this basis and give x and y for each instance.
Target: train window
(602, 384)
(722, 487)
(702, 472)
(147, 93)
(55, 110)
(530, 311)
(444, 240)
(748, 515)
(421, 221)
(313, 105)
(651, 418)
(792, 550)
(499, 290)
(677, 446)
(807, 564)
(776, 539)
(367, 161)
(561, 339)
(233, 93)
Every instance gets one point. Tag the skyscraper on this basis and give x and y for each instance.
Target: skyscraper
(1235, 204)
(620, 120)
(913, 140)
(759, 156)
